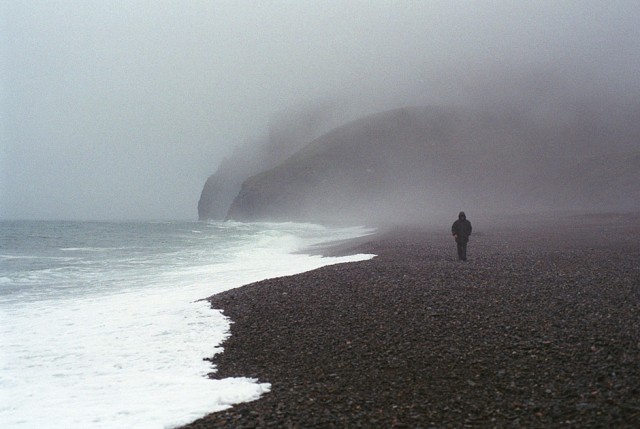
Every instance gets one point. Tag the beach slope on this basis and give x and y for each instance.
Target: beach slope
(540, 328)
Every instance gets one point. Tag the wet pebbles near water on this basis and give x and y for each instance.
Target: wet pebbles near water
(540, 328)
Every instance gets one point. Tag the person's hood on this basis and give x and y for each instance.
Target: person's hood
(461, 215)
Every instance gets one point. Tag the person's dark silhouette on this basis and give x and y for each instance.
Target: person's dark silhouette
(461, 230)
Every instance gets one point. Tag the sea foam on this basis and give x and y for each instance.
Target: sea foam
(120, 341)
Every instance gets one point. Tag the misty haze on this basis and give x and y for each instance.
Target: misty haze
(122, 112)
(418, 165)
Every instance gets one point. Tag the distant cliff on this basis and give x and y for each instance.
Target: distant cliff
(419, 163)
(222, 187)
(287, 133)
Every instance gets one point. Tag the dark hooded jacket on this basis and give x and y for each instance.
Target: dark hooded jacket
(461, 228)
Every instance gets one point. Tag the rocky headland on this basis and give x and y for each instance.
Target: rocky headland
(416, 164)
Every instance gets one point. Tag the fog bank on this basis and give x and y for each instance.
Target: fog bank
(122, 110)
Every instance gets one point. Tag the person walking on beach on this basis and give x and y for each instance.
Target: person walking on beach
(461, 230)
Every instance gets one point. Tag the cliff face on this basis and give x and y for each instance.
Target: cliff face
(417, 164)
(222, 187)
(287, 134)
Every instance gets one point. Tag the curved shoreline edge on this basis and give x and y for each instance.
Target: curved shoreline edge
(540, 328)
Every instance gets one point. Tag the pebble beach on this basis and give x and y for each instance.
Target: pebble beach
(539, 328)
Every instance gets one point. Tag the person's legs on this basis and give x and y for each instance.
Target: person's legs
(462, 251)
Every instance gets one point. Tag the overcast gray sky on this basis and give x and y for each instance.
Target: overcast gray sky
(121, 109)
